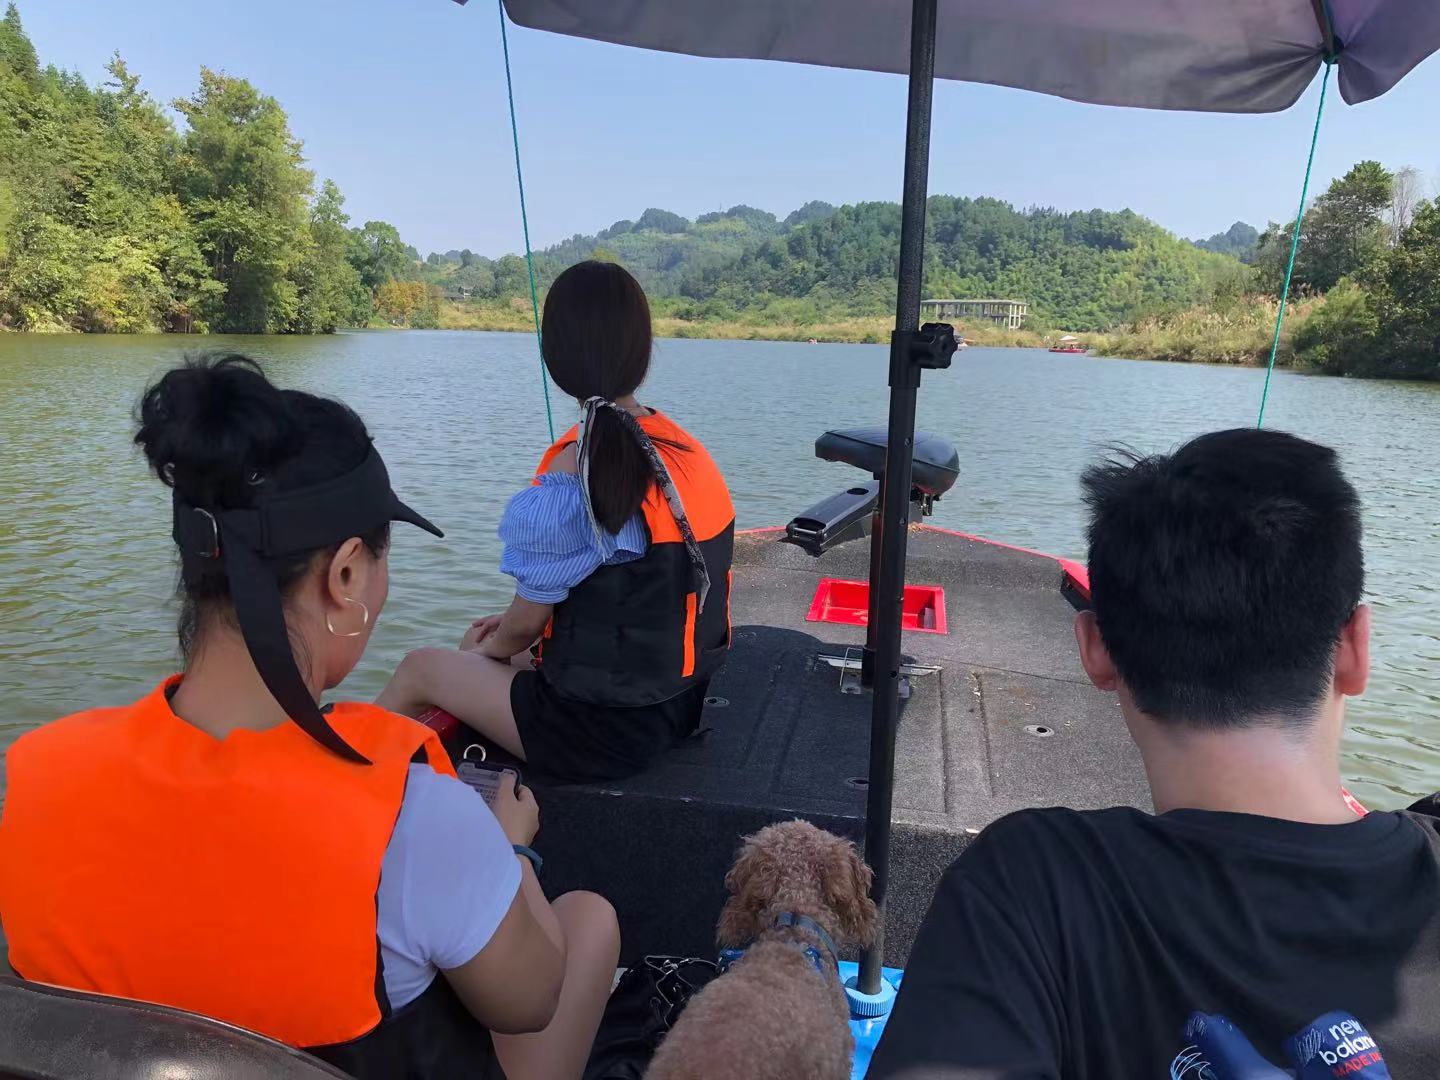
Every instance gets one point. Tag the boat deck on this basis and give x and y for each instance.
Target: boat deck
(963, 755)
(781, 739)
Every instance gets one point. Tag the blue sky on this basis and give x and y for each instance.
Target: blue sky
(402, 102)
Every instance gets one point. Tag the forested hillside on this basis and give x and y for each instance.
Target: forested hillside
(660, 247)
(1083, 271)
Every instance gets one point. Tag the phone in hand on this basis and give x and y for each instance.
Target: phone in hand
(485, 778)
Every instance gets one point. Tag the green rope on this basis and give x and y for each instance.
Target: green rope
(525, 220)
(1294, 245)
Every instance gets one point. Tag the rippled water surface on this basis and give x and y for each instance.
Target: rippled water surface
(86, 566)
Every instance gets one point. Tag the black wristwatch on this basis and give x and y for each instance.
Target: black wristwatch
(526, 852)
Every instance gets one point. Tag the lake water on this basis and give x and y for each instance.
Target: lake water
(86, 565)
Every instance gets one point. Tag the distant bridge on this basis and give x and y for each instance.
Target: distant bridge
(1007, 313)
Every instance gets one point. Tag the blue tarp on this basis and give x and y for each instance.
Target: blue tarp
(867, 1032)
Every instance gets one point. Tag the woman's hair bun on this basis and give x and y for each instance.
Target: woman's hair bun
(215, 426)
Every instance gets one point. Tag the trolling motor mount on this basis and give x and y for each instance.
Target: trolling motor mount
(842, 517)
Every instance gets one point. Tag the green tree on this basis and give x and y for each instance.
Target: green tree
(123, 288)
(1347, 231)
(379, 254)
(512, 276)
(331, 292)
(479, 276)
(43, 283)
(1343, 231)
(191, 291)
(815, 210)
(426, 315)
(17, 54)
(662, 221)
(1386, 320)
(1341, 333)
(409, 303)
(1407, 288)
(148, 222)
(111, 220)
(88, 237)
(8, 209)
(241, 177)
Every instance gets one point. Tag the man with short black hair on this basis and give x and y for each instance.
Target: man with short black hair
(1254, 919)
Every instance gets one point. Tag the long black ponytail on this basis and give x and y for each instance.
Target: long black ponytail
(596, 339)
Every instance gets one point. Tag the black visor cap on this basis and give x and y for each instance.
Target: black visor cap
(247, 541)
(400, 512)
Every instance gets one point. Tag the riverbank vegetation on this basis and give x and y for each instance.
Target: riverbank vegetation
(120, 215)
(1364, 297)
(113, 219)
(770, 325)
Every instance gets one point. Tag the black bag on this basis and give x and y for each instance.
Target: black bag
(644, 1006)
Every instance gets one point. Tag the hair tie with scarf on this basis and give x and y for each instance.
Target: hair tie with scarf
(662, 477)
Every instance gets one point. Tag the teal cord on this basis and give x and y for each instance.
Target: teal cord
(525, 221)
(1294, 245)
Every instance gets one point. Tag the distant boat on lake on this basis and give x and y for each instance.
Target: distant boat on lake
(1069, 344)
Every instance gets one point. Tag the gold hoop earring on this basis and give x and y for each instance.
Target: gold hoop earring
(364, 619)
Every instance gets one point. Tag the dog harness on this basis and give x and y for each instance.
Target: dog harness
(803, 923)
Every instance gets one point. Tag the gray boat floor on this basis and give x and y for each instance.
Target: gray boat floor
(787, 737)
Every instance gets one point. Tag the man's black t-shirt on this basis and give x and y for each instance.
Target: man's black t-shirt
(1074, 946)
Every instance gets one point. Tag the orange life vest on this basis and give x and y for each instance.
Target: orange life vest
(632, 633)
(231, 877)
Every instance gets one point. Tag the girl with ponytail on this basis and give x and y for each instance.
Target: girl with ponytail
(620, 549)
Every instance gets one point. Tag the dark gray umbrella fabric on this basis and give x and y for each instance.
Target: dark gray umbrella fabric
(1204, 55)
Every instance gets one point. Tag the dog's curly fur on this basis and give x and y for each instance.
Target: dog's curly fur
(772, 1016)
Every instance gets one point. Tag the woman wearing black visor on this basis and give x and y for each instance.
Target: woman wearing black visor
(225, 845)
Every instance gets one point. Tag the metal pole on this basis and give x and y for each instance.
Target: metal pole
(894, 511)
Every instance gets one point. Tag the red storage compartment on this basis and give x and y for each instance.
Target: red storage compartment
(848, 602)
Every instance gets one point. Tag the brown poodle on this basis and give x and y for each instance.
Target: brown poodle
(773, 1015)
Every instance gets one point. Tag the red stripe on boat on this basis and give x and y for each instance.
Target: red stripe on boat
(1355, 804)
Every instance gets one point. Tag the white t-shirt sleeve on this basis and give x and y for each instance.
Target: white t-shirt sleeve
(447, 880)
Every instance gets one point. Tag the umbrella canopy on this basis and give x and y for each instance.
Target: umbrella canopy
(1205, 55)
